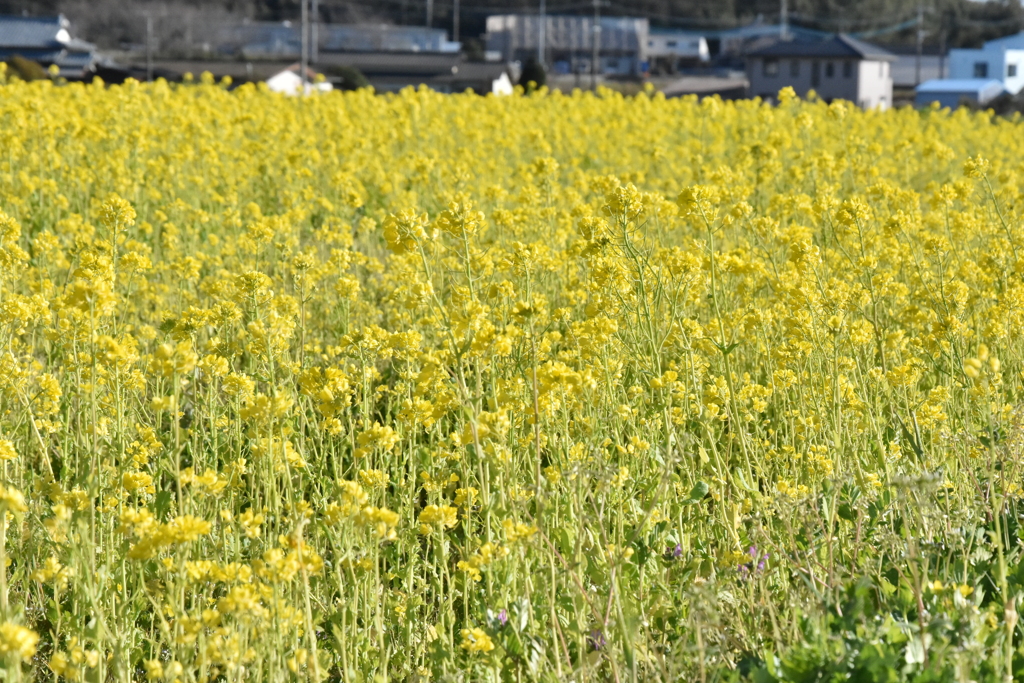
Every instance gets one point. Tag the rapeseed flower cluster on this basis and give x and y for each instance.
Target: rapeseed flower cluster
(355, 387)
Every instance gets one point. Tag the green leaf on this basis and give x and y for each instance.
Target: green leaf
(771, 662)
(697, 493)
(847, 512)
(162, 504)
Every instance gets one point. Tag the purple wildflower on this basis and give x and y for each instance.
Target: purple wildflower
(757, 560)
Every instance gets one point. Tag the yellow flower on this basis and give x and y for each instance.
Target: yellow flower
(434, 517)
(517, 531)
(976, 167)
(7, 451)
(11, 499)
(404, 230)
(476, 641)
(17, 641)
(376, 436)
(154, 669)
(117, 214)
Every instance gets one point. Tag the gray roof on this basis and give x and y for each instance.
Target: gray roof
(46, 40)
(35, 32)
(18, 32)
(837, 46)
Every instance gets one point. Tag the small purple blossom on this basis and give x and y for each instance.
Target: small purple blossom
(503, 617)
(596, 639)
(675, 553)
(757, 559)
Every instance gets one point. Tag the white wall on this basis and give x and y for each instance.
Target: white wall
(673, 45)
(1014, 84)
(874, 85)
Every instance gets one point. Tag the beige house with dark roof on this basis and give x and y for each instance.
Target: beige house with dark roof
(839, 67)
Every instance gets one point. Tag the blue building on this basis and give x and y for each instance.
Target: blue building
(950, 92)
(48, 41)
(1001, 59)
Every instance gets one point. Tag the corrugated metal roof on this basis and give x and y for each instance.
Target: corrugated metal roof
(37, 32)
(46, 40)
(837, 46)
(959, 85)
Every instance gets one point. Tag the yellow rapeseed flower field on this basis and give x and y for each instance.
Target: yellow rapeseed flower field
(545, 387)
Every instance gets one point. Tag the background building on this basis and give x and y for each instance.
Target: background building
(569, 42)
(256, 40)
(839, 67)
(729, 46)
(671, 51)
(909, 70)
(1001, 59)
(950, 92)
(47, 41)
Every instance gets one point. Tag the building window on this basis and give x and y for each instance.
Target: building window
(815, 73)
(794, 68)
(981, 70)
(847, 69)
(771, 67)
(1011, 70)
(671, 43)
(830, 69)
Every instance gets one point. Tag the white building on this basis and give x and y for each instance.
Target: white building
(1001, 59)
(837, 68)
(290, 82)
(502, 85)
(669, 51)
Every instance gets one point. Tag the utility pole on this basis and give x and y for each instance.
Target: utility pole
(149, 47)
(304, 56)
(314, 38)
(542, 26)
(455, 21)
(920, 43)
(784, 21)
(595, 45)
(942, 46)
(430, 13)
